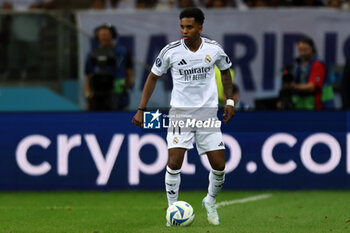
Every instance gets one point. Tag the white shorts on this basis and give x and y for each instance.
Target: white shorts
(205, 141)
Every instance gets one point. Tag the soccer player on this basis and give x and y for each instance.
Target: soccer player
(192, 61)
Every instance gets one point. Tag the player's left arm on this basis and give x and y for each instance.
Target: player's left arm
(226, 79)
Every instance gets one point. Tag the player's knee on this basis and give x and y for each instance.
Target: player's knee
(219, 166)
(174, 165)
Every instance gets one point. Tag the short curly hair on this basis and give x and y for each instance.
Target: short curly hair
(193, 12)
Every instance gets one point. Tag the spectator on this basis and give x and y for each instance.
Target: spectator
(24, 38)
(146, 4)
(309, 77)
(218, 3)
(261, 3)
(108, 80)
(282, 3)
(120, 4)
(200, 3)
(249, 3)
(113, 4)
(166, 4)
(334, 4)
(240, 5)
(6, 5)
(98, 4)
(346, 5)
(308, 3)
(257, 3)
(185, 4)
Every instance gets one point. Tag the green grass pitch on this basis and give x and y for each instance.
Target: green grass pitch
(144, 211)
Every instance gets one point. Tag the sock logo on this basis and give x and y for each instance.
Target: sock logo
(171, 192)
(221, 144)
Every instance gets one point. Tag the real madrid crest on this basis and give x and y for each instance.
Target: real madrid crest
(207, 58)
(176, 140)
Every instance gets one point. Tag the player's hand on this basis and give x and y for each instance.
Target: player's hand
(137, 119)
(229, 111)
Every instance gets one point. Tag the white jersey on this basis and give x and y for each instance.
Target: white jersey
(192, 72)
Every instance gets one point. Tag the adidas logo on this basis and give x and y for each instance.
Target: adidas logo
(221, 144)
(171, 192)
(182, 62)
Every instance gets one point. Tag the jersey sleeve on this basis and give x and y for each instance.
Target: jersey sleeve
(161, 64)
(317, 74)
(223, 62)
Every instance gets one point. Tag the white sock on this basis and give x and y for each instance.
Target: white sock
(172, 184)
(216, 180)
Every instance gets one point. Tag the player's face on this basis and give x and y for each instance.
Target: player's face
(305, 51)
(190, 29)
(105, 37)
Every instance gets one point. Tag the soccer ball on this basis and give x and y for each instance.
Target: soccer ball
(180, 213)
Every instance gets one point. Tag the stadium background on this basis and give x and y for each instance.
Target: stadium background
(48, 141)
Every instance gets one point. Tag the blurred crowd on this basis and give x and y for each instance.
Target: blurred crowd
(240, 4)
(175, 4)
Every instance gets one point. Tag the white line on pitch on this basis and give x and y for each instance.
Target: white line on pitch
(244, 200)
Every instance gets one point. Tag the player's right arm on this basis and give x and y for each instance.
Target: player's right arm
(160, 67)
(146, 94)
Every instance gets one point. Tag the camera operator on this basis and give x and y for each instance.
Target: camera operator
(109, 72)
(285, 101)
(302, 88)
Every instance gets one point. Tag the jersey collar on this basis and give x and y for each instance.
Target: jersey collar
(184, 44)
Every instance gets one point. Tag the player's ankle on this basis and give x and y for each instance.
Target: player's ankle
(210, 199)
